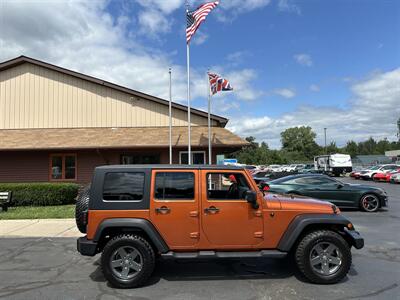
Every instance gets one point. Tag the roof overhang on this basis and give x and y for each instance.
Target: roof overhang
(115, 138)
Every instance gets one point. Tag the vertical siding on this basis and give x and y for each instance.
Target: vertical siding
(35, 97)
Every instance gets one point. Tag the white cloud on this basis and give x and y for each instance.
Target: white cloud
(241, 82)
(289, 6)
(82, 36)
(314, 88)
(153, 22)
(241, 5)
(200, 38)
(165, 6)
(303, 59)
(373, 111)
(227, 10)
(286, 93)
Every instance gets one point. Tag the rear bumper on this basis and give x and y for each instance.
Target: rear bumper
(86, 247)
(356, 240)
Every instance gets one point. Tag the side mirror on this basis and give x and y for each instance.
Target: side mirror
(340, 185)
(264, 187)
(251, 197)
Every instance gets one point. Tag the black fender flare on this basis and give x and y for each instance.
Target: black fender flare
(133, 223)
(299, 223)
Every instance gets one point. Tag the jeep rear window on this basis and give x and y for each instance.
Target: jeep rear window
(123, 186)
(174, 186)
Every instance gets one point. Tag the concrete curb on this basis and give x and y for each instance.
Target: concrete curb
(39, 228)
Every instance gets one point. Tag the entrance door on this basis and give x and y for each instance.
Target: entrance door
(227, 219)
(174, 208)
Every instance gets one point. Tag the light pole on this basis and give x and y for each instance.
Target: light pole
(326, 152)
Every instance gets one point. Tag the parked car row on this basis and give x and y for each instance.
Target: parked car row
(387, 173)
(322, 187)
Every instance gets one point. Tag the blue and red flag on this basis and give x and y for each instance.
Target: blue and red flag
(218, 84)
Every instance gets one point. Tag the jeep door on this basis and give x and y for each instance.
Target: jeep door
(174, 206)
(227, 220)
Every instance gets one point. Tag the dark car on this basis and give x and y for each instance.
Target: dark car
(261, 176)
(309, 168)
(319, 186)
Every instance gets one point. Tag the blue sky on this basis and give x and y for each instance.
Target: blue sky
(319, 63)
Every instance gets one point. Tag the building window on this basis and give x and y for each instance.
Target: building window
(174, 186)
(63, 167)
(123, 186)
(198, 157)
(140, 159)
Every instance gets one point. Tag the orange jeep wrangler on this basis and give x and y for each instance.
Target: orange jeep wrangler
(134, 214)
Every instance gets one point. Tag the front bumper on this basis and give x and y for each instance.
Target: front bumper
(86, 247)
(366, 176)
(356, 240)
(384, 200)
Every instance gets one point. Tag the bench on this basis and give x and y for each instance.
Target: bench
(5, 200)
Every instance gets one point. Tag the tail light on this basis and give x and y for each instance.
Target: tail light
(85, 217)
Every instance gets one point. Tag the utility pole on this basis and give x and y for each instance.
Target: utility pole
(326, 149)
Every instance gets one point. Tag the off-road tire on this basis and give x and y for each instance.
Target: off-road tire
(146, 252)
(303, 250)
(82, 206)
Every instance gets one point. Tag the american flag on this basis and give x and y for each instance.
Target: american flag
(196, 17)
(218, 84)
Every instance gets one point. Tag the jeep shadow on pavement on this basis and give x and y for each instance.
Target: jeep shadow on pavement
(133, 215)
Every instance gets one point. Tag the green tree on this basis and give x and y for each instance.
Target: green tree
(367, 147)
(398, 130)
(301, 140)
(252, 140)
(332, 148)
(351, 148)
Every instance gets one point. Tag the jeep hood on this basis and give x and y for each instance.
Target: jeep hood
(296, 202)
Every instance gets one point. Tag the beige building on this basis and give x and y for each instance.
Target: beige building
(57, 125)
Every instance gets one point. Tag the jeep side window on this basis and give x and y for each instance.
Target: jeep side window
(174, 186)
(123, 186)
(232, 186)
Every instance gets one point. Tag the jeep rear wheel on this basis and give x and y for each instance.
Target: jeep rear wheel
(323, 257)
(127, 261)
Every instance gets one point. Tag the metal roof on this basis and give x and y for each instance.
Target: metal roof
(166, 167)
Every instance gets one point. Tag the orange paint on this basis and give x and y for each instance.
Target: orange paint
(186, 226)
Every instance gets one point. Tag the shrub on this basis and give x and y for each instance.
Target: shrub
(41, 194)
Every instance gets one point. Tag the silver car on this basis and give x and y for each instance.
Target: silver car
(395, 178)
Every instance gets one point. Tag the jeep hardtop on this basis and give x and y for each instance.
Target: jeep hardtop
(135, 214)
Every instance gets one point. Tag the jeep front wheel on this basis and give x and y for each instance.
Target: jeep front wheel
(323, 256)
(127, 261)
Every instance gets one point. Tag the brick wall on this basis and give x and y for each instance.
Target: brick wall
(33, 166)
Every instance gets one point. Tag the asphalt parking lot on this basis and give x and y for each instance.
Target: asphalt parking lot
(47, 268)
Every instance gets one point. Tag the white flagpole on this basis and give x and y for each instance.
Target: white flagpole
(188, 95)
(209, 119)
(170, 116)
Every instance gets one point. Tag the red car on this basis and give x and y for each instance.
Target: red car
(385, 176)
(355, 174)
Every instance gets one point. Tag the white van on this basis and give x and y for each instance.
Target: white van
(335, 163)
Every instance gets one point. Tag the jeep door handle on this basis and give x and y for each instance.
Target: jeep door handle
(211, 210)
(163, 210)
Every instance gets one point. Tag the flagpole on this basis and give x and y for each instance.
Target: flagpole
(209, 119)
(188, 95)
(170, 116)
